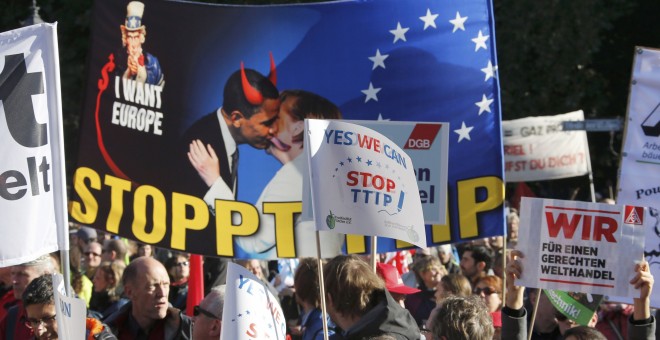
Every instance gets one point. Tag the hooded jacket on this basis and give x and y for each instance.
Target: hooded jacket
(386, 317)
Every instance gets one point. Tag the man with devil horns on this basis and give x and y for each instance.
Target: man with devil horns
(248, 114)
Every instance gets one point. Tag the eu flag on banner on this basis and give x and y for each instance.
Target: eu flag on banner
(405, 60)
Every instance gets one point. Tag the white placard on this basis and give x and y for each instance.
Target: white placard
(32, 183)
(250, 310)
(580, 247)
(536, 148)
(639, 178)
(362, 183)
(71, 312)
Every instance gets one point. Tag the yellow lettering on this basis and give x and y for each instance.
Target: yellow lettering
(142, 194)
(468, 207)
(403, 244)
(225, 229)
(442, 232)
(355, 244)
(284, 223)
(88, 210)
(180, 223)
(117, 188)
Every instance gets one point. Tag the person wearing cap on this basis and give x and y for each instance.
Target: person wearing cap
(85, 235)
(13, 324)
(641, 324)
(142, 67)
(394, 283)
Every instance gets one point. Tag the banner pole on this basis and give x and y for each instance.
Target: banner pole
(591, 173)
(324, 311)
(374, 244)
(530, 330)
(59, 174)
(66, 271)
(504, 261)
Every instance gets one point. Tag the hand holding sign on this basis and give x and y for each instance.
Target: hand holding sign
(643, 281)
(514, 268)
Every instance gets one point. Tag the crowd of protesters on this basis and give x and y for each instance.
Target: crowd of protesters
(136, 291)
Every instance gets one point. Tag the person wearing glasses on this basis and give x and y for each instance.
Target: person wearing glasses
(92, 258)
(148, 313)
(207, 316)
(41, 320)
(178, 266)
(489, 289)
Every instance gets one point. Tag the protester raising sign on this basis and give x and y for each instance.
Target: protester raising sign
(362, 183)
(250, 311)
(32, 183)
(573, 249)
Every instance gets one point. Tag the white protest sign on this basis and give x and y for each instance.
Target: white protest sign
(71, 312)
(536, 148)
(362, 183)
(569, 245)
(427, 144)
(639, 177)
(250, 310)
(32, 182)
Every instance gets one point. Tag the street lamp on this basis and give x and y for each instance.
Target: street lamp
(34, 18)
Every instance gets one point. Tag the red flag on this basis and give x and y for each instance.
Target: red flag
(195, 284)
(522, 190)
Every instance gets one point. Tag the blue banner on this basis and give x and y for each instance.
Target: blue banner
(159, 79)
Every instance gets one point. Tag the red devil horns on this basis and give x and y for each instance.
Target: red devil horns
(273, 72)
(253, 95)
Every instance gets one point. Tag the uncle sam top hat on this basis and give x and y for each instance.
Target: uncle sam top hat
(134, 12)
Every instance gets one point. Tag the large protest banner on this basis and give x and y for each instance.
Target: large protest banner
(149, 102)
(573, 249)
(639, 176)
(536, 148)
(250, 311)
(32, 183)
(361, 182)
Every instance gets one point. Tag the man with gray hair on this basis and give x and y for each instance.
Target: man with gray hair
(13, 325)
(208, 314)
